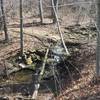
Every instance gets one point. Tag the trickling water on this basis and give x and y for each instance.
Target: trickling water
(58, 51)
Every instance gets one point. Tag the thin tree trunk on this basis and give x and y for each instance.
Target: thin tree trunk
(56, 8)
(41, 11)
(21, 29)
(98, 40)
(39, 78)
(59, 29)
(4, 21)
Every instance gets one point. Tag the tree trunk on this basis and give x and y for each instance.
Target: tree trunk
(98, 40)
(39, 78)
(21, 29)
(56, 7)
(4, 21)
(59, 29)
(41, 11)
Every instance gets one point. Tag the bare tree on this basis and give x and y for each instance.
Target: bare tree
(4, 21)
(21, 29)
(59, 29)
(41, 11)
(98, 39)
(56, 8)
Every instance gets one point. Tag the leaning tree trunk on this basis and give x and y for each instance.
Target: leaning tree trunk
(4, 21)
(39, 78)
(41, 11)
(98, 39)
(56, 8)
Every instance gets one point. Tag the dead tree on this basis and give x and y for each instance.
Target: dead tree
(21, 29)
(98, 39)
(4, 21)
(41, 11)
(56, 8)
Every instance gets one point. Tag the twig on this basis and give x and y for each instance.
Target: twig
(59, 29)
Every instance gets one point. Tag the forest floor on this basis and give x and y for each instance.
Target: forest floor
(79, 39)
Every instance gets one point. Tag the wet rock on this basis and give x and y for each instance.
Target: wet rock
(4, 98)
(22, 65)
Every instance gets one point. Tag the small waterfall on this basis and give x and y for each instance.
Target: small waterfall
(58, 52)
